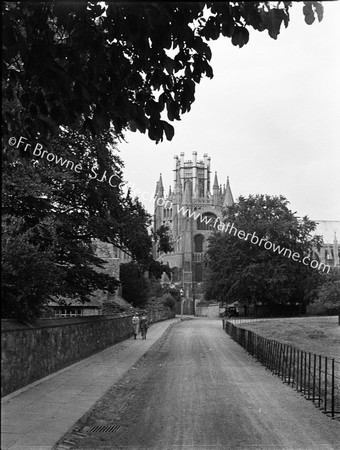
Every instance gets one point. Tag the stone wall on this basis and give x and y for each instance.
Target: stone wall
(207, 310)
(157, 313)
(29, 353)
(188, 307)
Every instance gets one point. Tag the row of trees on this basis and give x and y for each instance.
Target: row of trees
(242, 271)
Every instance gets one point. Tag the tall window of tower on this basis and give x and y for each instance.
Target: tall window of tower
(175, 274)
(206, 221)
(198, 241)
(199, 272)
(201, 183)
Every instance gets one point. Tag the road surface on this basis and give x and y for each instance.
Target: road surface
(197, 389)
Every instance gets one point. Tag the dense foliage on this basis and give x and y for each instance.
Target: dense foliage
(134, 284)
(120, 64)
(75, 76)
(328, 294)
(250, 273)
(163, 239)
(53, 214)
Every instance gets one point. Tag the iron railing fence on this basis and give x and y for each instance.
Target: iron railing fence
(315, 376)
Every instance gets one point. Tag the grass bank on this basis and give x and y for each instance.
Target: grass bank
(320, 335)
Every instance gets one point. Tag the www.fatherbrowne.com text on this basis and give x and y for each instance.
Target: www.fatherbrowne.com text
(241, 234)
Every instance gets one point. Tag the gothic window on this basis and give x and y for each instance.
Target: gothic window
(175, 277)
(206, 221)
(199, 272)
(201, 186)
(198, 240)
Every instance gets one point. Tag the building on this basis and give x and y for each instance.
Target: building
(190, 210)
(329, 253)
(101, 302)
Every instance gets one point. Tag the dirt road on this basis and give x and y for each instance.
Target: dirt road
(197, 389)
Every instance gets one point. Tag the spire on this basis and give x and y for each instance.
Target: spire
(228, 198)
(215, 186)
(156, 190)
(161, 182)
(159, 187)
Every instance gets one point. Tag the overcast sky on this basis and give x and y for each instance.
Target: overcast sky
(269, 119)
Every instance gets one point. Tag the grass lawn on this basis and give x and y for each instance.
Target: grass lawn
(320, 335)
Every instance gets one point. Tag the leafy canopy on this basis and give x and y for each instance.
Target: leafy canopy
(52, 217)
(122, 64)
(243, 271)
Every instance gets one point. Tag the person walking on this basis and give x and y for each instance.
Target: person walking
(135, 324)
(144, 324)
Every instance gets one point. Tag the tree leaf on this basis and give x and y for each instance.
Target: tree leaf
(169, 130)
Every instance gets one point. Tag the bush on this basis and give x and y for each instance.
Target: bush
(175, 293)
(168, 300)
(134, 284)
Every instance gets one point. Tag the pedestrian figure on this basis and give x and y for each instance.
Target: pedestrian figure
(135, 323)
(144, 324)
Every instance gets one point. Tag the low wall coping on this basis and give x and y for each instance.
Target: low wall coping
(14, 325)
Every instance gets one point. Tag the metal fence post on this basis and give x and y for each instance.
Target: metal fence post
(314, 373)
(297, 369)
(326, 360)
(290, 364)
(332, 388)
(309, 367)
(320, 375)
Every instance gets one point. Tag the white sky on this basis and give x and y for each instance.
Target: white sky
(269, 119)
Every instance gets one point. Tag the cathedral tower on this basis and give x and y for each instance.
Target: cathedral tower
(190, 211)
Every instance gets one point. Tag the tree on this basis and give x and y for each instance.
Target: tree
(29, 270)
(328, 294)
(157, 268)
(163, 239)
(120, 64)
(134, 284)
(54, 213)
(243, 268)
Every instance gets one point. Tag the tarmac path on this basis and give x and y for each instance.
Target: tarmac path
(197, 389)
(38, 415)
